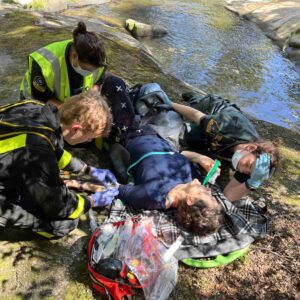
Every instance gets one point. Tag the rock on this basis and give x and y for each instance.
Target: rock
(24, 2)
(81, 3)
(138, 29)
(294, 40)
(280, 21)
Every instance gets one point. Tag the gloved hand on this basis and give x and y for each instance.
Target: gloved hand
(104, 176)
(261, 171)
(104, 198)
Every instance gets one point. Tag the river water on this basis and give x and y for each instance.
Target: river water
(216, 51)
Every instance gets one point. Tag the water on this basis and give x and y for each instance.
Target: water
(216, 51)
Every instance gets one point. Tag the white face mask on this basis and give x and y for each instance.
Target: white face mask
(81, 71)
(236, 158)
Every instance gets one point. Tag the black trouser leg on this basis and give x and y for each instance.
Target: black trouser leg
(125, 123)
(115, 91)
(208, 104)
(15, 216)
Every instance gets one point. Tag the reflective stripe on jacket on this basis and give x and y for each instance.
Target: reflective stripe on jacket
(29, 168)
(53, 64)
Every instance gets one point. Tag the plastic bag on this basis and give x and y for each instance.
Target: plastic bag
(144, 255)
(105, 243)
(124, 233)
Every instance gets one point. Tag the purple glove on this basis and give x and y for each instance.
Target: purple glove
(104, 198)
(104, 176)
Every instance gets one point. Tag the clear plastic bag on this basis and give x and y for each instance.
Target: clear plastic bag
(125, 232)
(105, 243)
(144, 255)
(134, 244)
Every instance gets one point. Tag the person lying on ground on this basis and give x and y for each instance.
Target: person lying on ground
(228, 134)
(65, 68)
(32, 194)
(164, 178)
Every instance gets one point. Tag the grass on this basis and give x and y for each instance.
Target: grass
(284, 187)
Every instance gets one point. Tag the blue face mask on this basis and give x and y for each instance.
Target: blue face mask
(261, 171)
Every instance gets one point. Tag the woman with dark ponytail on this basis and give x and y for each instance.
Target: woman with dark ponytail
(66, 68)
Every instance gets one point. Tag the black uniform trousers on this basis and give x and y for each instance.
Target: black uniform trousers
(13, 215)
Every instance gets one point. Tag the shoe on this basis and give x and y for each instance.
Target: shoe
(188, 96)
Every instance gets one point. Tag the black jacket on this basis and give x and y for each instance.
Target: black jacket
(31, 151)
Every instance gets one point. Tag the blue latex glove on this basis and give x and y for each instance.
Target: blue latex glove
(106, 177)
(104, 198)
(261, 171)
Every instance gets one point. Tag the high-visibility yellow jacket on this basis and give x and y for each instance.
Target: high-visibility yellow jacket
(31, 155)
(52, 62)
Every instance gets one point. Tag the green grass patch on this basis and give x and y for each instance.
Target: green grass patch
(284, 186)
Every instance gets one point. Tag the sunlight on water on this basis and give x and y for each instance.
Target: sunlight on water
(215, 50)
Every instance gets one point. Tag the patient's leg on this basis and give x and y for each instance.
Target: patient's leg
(125, 123)
(115, 91)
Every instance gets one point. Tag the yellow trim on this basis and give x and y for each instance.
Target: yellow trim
(77, 212)
(3, 108)
(38, 127)
(13, 143)
(29, 132)
(46, 234)
(64, 160)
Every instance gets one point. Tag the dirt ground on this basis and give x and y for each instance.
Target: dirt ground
(36, 269)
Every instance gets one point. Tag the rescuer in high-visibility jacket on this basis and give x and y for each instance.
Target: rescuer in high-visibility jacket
(65, 68)
(32, 194)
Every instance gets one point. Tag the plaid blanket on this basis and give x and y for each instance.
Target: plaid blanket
(244, 223)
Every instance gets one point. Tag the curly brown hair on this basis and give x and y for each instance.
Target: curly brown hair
(90, 110)
(271, 148)
(199, 218)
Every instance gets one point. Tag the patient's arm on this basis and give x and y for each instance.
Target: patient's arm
(189, 113)
(140, 196)
(235, 190)
(204, 161)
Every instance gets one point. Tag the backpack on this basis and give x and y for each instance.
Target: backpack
(111, 279)
(126, 258)
(149, 102)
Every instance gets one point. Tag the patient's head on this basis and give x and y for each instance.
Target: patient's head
(197, 210)
(245, 155)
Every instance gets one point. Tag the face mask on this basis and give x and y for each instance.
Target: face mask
(80, 71)
(236, 158)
